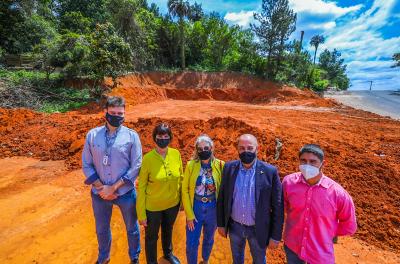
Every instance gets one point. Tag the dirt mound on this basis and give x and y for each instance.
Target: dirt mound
(61, 136)
(157, 86)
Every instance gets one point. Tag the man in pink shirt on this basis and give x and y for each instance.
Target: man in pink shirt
(317, 210)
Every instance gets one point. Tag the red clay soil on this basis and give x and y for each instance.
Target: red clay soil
(363, 150)
(156, 86)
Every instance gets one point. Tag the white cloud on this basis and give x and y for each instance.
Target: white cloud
(323, 26)
(367, 53)
(316, 16)
(322, 7)
(242, 18)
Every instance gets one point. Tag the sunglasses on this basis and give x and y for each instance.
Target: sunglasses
(206, 148)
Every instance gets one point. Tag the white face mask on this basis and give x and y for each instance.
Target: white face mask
(309, 171)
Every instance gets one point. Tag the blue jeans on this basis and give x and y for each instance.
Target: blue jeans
(238, 234)
(292, 257)
(206, 216)
(102, 213)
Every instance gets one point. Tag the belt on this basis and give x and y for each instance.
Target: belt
(238, 223)
(204, 199)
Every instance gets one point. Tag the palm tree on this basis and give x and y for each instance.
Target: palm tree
(180, 9)
(315, 41)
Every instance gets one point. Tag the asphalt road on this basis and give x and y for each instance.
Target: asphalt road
(385, 103)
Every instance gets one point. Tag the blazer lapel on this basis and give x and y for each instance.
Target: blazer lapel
(259, 174)
(234, 175)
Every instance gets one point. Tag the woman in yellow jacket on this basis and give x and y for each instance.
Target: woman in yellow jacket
(159, 191)
(200, 188)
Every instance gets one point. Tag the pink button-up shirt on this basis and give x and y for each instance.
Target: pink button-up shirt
(314, 216)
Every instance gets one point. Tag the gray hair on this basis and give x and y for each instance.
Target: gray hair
(203, 138)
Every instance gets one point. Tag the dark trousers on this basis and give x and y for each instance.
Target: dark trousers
(166, 220)
(238, 234)
(102, 213)
(292, 257)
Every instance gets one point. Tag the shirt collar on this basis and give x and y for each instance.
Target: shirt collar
(116, 131)
(324, 182)
(253, 167)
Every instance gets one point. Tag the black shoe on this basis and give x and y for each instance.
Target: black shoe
(135, 261)
(172, 259)
(104, 262)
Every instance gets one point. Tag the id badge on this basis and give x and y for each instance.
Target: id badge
(105, 160)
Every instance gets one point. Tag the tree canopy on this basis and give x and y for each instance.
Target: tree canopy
(100, 38)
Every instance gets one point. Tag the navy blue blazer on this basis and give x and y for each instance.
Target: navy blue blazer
(269, 200)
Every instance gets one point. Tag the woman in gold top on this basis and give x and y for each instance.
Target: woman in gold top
(159, 191)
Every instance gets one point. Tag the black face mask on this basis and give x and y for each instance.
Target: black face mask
(163, 142)
(204, 155)
(247, 157)
(114, 120)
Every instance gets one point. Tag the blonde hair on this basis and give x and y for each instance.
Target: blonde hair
(203, 138)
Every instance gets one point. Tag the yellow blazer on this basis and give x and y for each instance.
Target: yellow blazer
(192, 171)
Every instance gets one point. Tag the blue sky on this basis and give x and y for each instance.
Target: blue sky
(367, 33)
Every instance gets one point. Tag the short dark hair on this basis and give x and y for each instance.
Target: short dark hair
(314, 149)
(115, 101)
(162, 129)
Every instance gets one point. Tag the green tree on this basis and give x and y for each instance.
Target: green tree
(180, 9)
(219, 41)
(195, 12)
(137, 26)
(296, 66)
(95, 10)
(396, 58)
(75, 22)
(335, 69)
(286, 26)
(110, 54)
(276, 23)
(21, 27)
(315, 41)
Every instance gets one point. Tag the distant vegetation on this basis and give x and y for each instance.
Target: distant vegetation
(99, 38)
(396, 58)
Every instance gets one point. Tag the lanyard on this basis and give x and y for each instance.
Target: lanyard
(110, 140)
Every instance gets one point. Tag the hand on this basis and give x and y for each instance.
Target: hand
(107, 192)
(190, 224)
(273, 244)
(136, 183)
(222, 231)
(143, 223)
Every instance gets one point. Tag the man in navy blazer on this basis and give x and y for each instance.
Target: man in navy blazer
(250, 204)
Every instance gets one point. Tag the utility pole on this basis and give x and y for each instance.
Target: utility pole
(301, 41)
(370, 86)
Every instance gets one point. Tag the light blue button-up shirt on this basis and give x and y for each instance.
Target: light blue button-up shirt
(244, 196)
(124, 159)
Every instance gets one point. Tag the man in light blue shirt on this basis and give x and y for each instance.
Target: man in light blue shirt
(244, 205)
(111, 160)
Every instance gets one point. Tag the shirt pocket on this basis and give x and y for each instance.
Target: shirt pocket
(122, 148)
